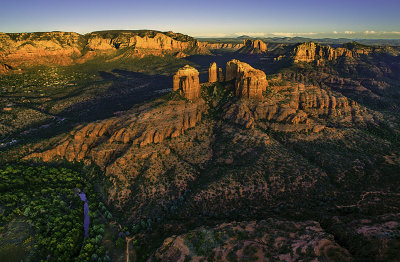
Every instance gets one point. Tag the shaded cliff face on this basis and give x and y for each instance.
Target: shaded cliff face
(253, 47)
(249, 82)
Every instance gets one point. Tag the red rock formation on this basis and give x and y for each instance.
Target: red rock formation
(253, 47)
(296, 109)
(186, 80)
(257, 45)
(212, 73)
(40, 48)
(219, 45)
(63, 48)
(249, 82)
(312, 52)
(102, 141)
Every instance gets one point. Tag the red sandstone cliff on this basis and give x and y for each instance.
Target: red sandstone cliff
(186, 81)
(249, 82)
(65, 48)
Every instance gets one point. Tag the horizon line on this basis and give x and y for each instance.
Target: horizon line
(233, 35)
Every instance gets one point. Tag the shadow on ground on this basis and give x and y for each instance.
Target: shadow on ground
(263, 62)
(126, 89)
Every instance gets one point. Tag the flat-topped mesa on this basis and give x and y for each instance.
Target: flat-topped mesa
(212, 73)
(257, 45)
(249, 82)
(186, 80)
(312, 52)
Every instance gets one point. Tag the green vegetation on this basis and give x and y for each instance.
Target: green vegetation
(43, 200)
(216, 95)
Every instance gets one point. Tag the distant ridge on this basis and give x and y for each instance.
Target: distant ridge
(243, 37)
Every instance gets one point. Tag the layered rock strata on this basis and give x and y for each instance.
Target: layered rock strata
(312, 52)
(249, 82)
(104, 141)
(65, 48)
(258, 45)
(186, 81)
(299, 107)
(213, 73)
(40, 48)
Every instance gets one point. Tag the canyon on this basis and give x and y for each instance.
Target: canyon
(216, 150)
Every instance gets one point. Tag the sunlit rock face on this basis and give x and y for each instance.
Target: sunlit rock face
(312, 52)
(186, 80)
(249, 82)
(213, 73)
(258, 45)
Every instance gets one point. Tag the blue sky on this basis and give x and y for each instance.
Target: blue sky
(219, 18)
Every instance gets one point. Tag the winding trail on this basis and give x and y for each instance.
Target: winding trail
(128, 240)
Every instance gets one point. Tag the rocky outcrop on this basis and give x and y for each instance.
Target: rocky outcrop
(40, 48)
(249, 82)
(159, 42)
(220, 45)
(287, 241)
(186, 81)
(213, 73)
(298, 108)
(65, 48)
(258, 46)
(253, 47)
(312, 52)
(221, 77)
(4, 68)
(102, 141)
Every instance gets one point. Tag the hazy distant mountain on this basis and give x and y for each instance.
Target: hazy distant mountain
(243, 37)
